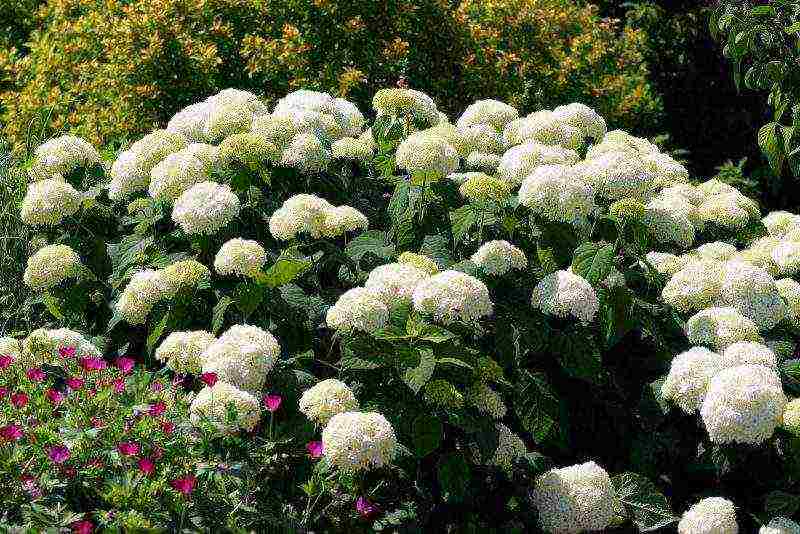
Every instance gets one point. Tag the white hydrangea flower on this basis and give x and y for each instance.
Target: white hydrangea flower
(780, 222)
(787, 257)
(175, 174)
(716, 251)
(183, 351)
(420, 261)
(240, 257)
(306, 100)
(358, 309)
(542, 127)
(669, 220)
(242, 357)
(667, 264)
(213, 405)
(398, 102)
(43, 346)
(750, 352)
(342, 219)
(49, 202)
(667, 171)
(248, 149)
(620, 141)
(62, 155)
(720, 327)
(714, 186)
(759, 253)
(617, 175)
(395, 282)
(520, 161)
(130, 173)
(687, 191)
(143, 291)
(307, 154)
(743, 404)
(499, 257)
(509, 447)
(753, 292)
(790, 293)
(590, 123)
(712, 515)
(357, 441)
(423, 152)
(208, 154)
(780, 525)
(791, 417)
(574, 499)
(563, 294)
(732, 211)
(300, 213)
(486, 400)
(189, 121)
(351, 148)
(10, 347)
(694, 287)
(280, 128)
(227, 119)
(492, 112)
(555, 192)
(479, 187)
(349, 117)
(326, 399)
(205, 208)
(184, 275)
(689, 374)
(481, 138)
(51, 265)
(481, 161)
(453, 296)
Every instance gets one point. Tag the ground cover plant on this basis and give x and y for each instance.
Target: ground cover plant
(309, 316)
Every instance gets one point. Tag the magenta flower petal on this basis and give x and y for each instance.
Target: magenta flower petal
(54, 396)
(125, 364)
(11, 432)
(58, 454)
(157, 409)
(5, 361)
(209, 379)
(35, 374)
(82, 527)
(66, 352)
(19, 399)
(272, 402)
(146, 466)
(315, 449)
(128, 448)
(366, 508)
(74, 383)
(184, 485)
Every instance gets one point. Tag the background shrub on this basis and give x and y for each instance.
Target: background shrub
(116, 69)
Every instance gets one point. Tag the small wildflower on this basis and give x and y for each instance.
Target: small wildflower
(58, 454)
(19, 399)
(74, 383)
(365, 508)
(119, 385)
(157, 386)
(167, 427)
(11, 432)
(35, 374)
(209, 379)
(5, 361)
(92, 363)
(125, 364)
(272, 402)
(82, 527)
(314, 449)
(66, 352)
(146, 466)
(157, 409)
(183, 485)
(55, 396)
(128, 448)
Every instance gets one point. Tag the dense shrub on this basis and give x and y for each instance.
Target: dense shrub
(115, 69)
(399, 323)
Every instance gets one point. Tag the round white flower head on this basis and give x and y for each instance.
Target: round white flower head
(306, 100)
(207, 154)
(750, 352)
(666, 170)
(499, 257)
(790, 292)
(9, 347)
(667, 264)
(299, 214)
(780, 222)
(44, 346)
(713, 187)
(481, 138)
(695, 286)
(339, 220)
(720, 327)
(617, 175)
(227, 119)
(307, 154)
(509, 447)
(205, 208)
(687, 191)
(143, 291)
(743, 404)
(712, 515)
(248, 149)
(356, 441)
(326, 399)
(492, 112)
(787, 258)
(349, 117)
(481, 161)
(62, 155)
(426, 153)
(563, 294)
(452, 296)
(240, 257)
(130, 173)
(175, 174)
(397, 101)
(732, 211)
(351, 148)
(183, 351)
(791, 417)
(555, 192)
(51, 265)
(420, 261)
(780, 525)
(584, 118)
(486, 400)
(687, 381)
(242, 357)
(395, 282)
(519, 161)
(542, 127)
(668, 221)
(480, 187)
(358, 309)
(716, 251)
(189, 121)
(620, 141)
(753, 292)
(226, 407)
(48, 202)
(184, 275)
(759, 253)
(574, 499)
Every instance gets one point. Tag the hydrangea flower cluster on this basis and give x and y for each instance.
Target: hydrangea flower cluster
(358, 309)
(499, 257)
(240, 257)
(183, 351)
(712, 515)
(226, 407)
(130, 173)
(51, 265)
(357, 441)
(46, 346)
(49, 201)
(557, 193)
(242, 357)
(61, 156)
(452, 296)
(564, 294)
(326, 399)
(315, 216)
(395, 282)
(205, 208)
(780, 525)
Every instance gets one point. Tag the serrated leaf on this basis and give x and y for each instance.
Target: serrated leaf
(218, 314)
(593, 261)
(53, 306)
(426, 434)
(781, 503)
(770, 141)
(373, 242)
(418, 376)
(436, 334)
(437, 247)
(285, 269)
(647, 507)
(248, 296)
(462, 221)
(537, 406)
(157, 331)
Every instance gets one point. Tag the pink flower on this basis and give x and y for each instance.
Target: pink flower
(35, 374)
(82, 527)
(19, 399)
(184, 485)
(66, 352)
(74, 382)
(315, 449)
(146, 466)
(128, 448)
(125, 364)
(365, 508)
(96, 422)
(209, 379)
(58, 454)
(157, 409)
(167, 427)
(5, 361)
(119, 385)
(70, 472)
(92, 363)
(11, 432)
(3, 392)
(54, 396)
(157, 386)
(272, 402)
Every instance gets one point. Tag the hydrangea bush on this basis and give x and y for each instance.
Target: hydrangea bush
(387, 318)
